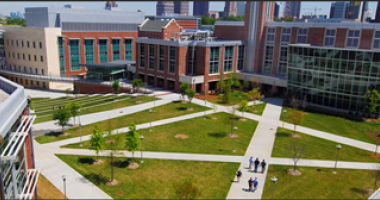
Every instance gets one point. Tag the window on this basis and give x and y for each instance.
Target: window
(103, 51)
(40, 45)
(270, 35)
(23, 56)
(151, 56)
(142, 55)
(302, 35)
(285, 36)
(8, 42)
(22, 44)
(329, 37)
(42, 59)
(353, 38)
(62, 63)
(162, 58)
(376, 40)
(128, 49)
(283, 61)
(30, 70)
(9, 54)
(27, 44)
(241, 58)
(36, 71)
(35, 58)
(214, 60)
(228, 53)
(24, 69)
(268, 59)
(26, 81)
(191, 59)
(42, 72)
(16, 43)
(115, 49)
(29, 57)
(13, 54)
(12, 42)
(74, 55)
(172, 57)
(89, 51)
(31, 82)
(18, 55)
(34, 44)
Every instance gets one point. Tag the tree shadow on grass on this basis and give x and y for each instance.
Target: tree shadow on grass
(218, 135)
(121, 163)
(96, 178)
(182, 108)
(84, 160)
(282, 134)
(357, 190)
(54, 133)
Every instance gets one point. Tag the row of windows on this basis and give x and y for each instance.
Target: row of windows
(15, 79)
(26, 70)
(24, 57)
(17, 43)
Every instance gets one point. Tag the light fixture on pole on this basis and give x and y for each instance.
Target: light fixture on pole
(64, 185)
(205, 110)
(150, 111)
(141, 138)
(274, 179)
(80, 130)
(337, 153)
(235, 128)
(284, 119)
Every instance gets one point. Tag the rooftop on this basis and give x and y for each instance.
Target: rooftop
(3, 96)
(153, 25)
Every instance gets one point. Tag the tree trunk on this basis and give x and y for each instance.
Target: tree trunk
(74, 119)
(111, 166)
(97, 156)
(295, 164)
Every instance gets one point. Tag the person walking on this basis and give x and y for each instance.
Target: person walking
(250, 163)
(257, 162)
(255, 184)
(238, 175)
(250, 184)
(263, 164)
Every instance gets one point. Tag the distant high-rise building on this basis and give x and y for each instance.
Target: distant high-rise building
(358, 8)
(164, 7)
(377, 15)
(181, 7)
(230, 8)
(332, 9)
(339, 9)
(200, 8)
(240, 8)
(295, 8)
(276, 10)
(111, 4)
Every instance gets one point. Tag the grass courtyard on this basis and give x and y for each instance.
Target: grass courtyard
(318, 183)
(154, 178)
(235, 98)
(46, 190)
(208, 136)
(317, 148)
(98, 103)
(337, 125)
(258, 109)
(169, 110)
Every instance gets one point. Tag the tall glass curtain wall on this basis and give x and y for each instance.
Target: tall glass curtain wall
(115, 49)
(332, 77)
(228, 53)
(74, 55)
(214, 60)
(103, 51)
(89, 50)
(128, 49)
(62, 63)
(240, 64)
(191, 60)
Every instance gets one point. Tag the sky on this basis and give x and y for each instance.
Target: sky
(149, 7)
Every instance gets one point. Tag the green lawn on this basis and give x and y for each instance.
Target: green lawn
(318, 184)
(102, 105)
(259, 108)
(317, 148)
(162, 112)
(337, 125)
(154, 178)
(235, 98)
(206, 136)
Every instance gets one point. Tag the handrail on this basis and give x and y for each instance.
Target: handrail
(39, 77)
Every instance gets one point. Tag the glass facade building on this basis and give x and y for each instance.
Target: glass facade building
(128, 49)
(115, 49)
(331, 76)
(89, 50)
(74, 54)
(103, 51)
(62, 63)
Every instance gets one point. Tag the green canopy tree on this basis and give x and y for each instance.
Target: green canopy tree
(372, 99)
(97, 141)
(255, 94)
(190, 95)
(243, 107)
(182, 89)
(137, 84)
(73, 108)
(116, 87)
(67, 91)
(62, 115)
(132, 140)
(227, 93)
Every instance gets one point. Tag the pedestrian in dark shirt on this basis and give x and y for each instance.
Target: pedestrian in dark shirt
(263, 164)
(238, 175)
(257, 162)
(250, 184)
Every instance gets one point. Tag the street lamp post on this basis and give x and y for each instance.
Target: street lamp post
(337, 153)
(235, 128)
(64, 185)
(205, 110)
(80, 130)
(150, 111)
(141, 138)
(284, 119)
(274, 179)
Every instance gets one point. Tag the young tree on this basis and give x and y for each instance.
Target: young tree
(97, 141)
(221, 82)
(295, 103)
(111, 144)
(67, 91)
(255, 94)
(255, 83)
(116, 87)
(243, 107)
(62, 115)
(296, 117)
(376, 176)
(227, 93)
(372, 100)
(233, 81)
(132, 140)
(182, 89)
(214, 108)
(190, 95)
(186, 189)
(73, 108)
(137, 84)
(233, 117)
(296, 150)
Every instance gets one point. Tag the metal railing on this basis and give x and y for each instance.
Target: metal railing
(36, 77)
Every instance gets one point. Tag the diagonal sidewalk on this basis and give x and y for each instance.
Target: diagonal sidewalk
(260, 146)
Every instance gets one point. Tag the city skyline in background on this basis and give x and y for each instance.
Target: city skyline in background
(149, 7)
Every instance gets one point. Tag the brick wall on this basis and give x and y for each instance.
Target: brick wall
(91, 88)
(316, 36)
(340, 38)
(366, 39)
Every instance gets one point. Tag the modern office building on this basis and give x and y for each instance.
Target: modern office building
(276, 10)
(339, 9)
(163, 7)
(295, 9)
(110, 4)
(240, 8)
(357, 10)
(18, 175)
(377, 14)
(230, 8)
(200, 8)
(181, 7)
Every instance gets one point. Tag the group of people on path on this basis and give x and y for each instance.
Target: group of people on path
(252, 183)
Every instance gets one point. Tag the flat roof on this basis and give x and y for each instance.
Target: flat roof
(111, 65)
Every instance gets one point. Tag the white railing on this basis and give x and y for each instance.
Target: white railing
(37, 77)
